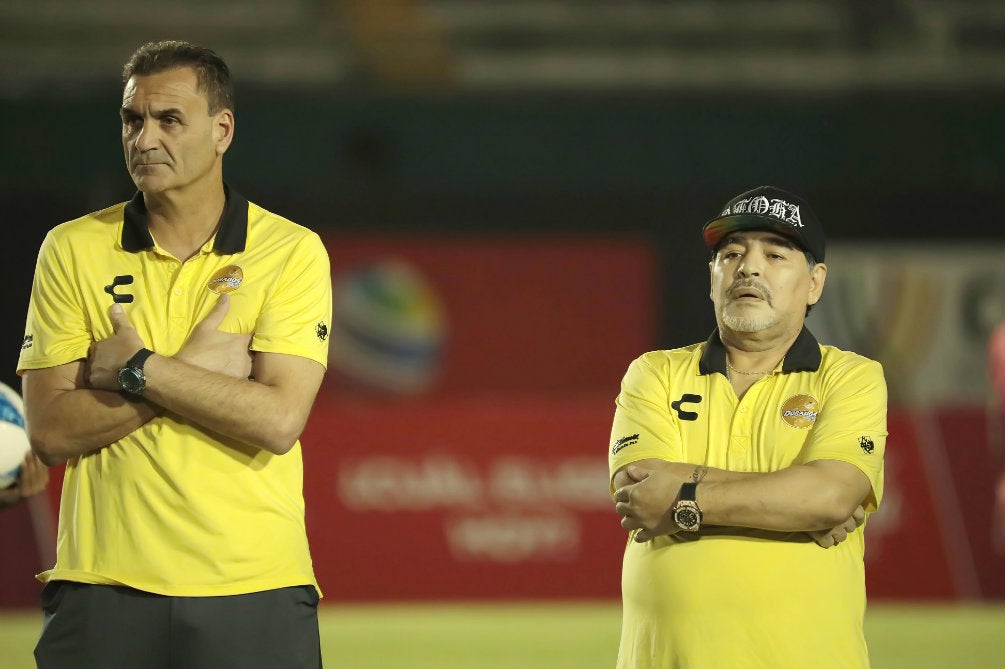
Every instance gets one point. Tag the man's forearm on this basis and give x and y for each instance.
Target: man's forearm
(795, 499)
(810, 497)
(252, 412)
(76, 422)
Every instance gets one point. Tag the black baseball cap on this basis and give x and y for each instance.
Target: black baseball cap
(769, 208)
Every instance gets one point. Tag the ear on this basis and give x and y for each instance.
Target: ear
(223, 130)
(711, 278)
(818, 277)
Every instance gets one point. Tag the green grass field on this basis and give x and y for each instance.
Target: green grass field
(576, 636)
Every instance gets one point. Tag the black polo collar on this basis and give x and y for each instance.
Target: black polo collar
(230, 238)
(802, 356)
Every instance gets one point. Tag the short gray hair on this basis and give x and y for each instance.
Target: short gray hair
(210, 69)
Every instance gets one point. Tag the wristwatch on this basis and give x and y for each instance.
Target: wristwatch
(686, 512)
(132, 380)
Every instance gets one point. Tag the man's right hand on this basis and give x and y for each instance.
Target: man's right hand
(643, 499)
(210, 348)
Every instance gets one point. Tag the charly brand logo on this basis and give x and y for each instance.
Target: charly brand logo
(226, 280)
(27, 342)
(800, 411)
(762, 206)
(686, 398)
(624, 442)
(121, 280)
(322, 331)
(867, 445)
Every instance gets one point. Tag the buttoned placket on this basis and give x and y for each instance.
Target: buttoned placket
(742, 426)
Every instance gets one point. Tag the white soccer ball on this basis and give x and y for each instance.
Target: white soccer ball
(13, 439)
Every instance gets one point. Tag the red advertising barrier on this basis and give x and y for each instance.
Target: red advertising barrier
(905, 555)
(500, 499)
(933, 537)
(20, 556)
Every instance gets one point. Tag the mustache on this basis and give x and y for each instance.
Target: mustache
(152, 157)
(743, 284)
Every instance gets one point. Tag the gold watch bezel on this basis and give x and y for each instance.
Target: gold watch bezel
(684, 508)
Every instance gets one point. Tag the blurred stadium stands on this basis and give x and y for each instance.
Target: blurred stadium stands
(471, 45)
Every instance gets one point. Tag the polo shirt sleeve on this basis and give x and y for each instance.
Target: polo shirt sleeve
(851, 423)
(56, 329)
(296, 316)
(644, 427)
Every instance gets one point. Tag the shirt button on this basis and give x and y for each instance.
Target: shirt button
(177, 291)
(743, 409)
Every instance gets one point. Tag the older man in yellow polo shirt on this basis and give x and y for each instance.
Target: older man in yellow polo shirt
(744, 466)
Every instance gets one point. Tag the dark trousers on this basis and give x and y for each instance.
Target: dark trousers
(110, 627)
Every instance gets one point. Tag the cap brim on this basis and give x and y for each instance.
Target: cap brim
(719, 228)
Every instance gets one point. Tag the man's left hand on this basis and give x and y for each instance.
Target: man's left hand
(835, 535)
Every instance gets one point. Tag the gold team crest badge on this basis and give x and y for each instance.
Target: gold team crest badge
(226, 280)
(800, 411)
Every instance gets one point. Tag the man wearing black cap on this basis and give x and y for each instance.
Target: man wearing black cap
(744, 466)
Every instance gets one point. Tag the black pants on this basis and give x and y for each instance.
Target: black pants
(109, 627)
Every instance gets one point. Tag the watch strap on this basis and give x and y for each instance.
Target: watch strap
(688, 491)
(139, 358)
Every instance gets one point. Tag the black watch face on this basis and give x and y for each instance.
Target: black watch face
(130, 380)
(686, 517)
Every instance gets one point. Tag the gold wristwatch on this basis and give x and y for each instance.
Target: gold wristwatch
(686, 512)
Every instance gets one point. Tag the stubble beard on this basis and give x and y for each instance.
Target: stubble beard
(738, 323)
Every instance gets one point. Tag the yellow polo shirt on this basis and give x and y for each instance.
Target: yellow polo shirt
(171, 508)
(734, 598)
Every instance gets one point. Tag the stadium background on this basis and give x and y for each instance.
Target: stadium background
(511, 193)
